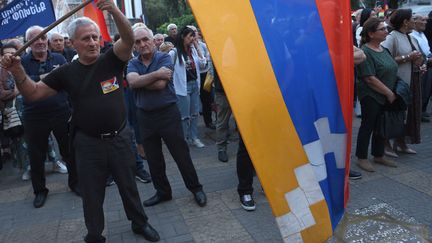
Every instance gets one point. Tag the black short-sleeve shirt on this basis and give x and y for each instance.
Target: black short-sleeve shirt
(96, 92)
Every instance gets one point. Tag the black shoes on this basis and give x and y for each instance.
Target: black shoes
(155, 200)
(247, 202)
(143, 176)
(222, 156)
(147, 231)
(200, 198)
(354, 175)
(40, 199)
(76, 190)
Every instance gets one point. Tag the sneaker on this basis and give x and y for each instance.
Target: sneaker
(59, 167)
(26, 175)
(197, 143)
(247, 202)
(110, 181)
(143, 176)
(354, 175)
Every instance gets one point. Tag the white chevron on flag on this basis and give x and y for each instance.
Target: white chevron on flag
(328, 143)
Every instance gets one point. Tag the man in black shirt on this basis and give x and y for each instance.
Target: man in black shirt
(101, 140)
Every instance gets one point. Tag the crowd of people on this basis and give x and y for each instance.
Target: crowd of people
(397, 54)
(109, 110)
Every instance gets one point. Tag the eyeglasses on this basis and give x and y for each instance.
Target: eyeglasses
(382, 29)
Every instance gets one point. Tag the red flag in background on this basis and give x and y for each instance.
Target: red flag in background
(91, 11)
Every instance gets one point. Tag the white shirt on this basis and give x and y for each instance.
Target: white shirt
(423, 42)
(179, 76)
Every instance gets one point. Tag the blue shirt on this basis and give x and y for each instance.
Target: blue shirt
(149, 100)
(52, 106)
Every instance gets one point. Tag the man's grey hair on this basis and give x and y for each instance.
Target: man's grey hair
(78, 22)
(31, 29)
(146, 29)
(417, 16)
(171, 26)
(51, 35)
(158, 35)
(138, 25)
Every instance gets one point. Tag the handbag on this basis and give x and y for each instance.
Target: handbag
(391, 124)
(12, 125)
(208, 82)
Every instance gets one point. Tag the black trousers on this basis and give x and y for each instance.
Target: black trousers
(165, 124)
(206, 101)
(371, 110)
(245, 170)
(96, 159)
(36, 136)
(426, 86)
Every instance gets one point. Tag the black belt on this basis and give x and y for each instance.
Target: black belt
(108, 135)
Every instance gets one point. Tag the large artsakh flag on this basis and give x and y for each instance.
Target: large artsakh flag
(92, 12)
(287, 69)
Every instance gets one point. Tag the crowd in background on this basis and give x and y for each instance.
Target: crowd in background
(163, 87)
(397, 58)
(191, 66)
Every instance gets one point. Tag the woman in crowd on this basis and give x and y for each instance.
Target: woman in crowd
(377, 77)
(188, 61)
(8, 92)
(405, 52)
(365, 15)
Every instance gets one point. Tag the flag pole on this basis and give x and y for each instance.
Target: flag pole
(51, 26)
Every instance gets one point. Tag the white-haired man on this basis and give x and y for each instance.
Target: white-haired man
(149, 75)
(158, 40)
(100, 139)
(57, 45)
(40, 118)
(172, 34)
(426, 84)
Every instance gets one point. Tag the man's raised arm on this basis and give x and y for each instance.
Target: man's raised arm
(122, 47)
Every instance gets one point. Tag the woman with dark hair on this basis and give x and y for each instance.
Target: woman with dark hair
(377, 77)
(365, 15)
(404, 50)
(188, 61)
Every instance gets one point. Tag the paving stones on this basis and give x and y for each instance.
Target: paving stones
(406, 189)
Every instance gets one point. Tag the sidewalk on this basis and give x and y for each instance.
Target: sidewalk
(406, 188)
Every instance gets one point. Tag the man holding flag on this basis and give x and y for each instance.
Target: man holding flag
(101, 144)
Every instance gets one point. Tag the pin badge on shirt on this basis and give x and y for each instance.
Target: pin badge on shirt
(110, 85)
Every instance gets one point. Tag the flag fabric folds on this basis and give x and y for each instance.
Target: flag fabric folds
(19, 15)
(287, 69)
(91, 11)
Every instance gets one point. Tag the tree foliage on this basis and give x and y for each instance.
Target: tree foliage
(181, 22)
(159, 12)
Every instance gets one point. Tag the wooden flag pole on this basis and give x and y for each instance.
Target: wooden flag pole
(51, 26)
